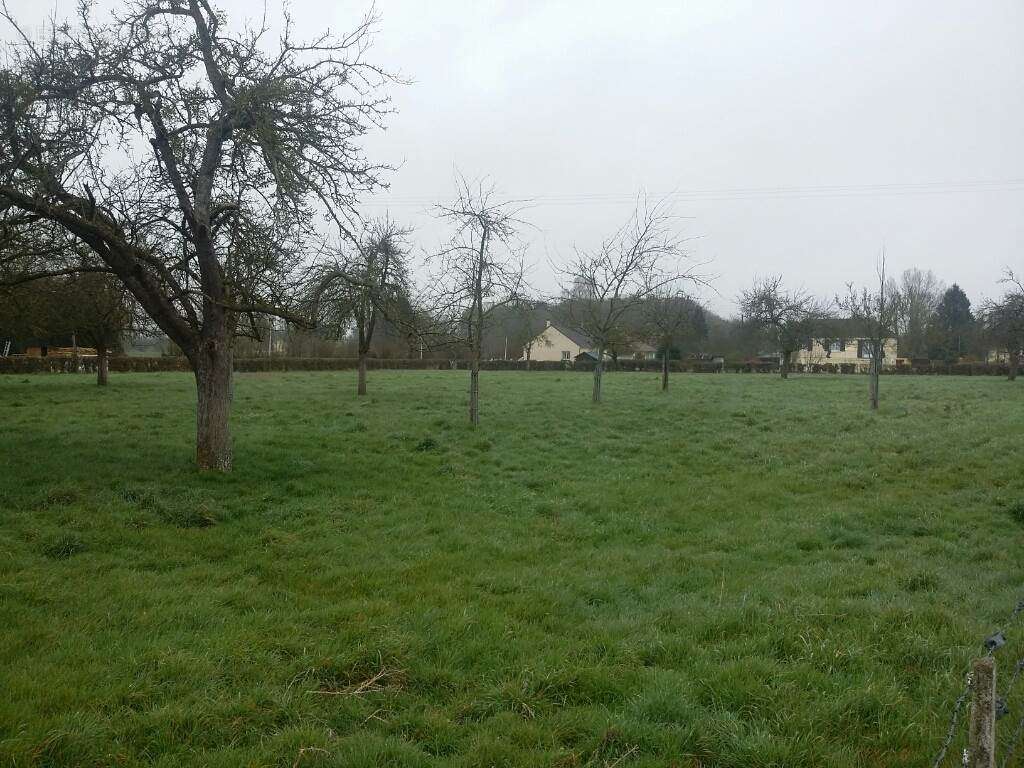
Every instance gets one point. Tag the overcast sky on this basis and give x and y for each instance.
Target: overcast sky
(797, 137)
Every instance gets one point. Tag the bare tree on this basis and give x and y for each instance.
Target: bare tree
(604, 286)
(670, 316)
(876, 314)
(1004, 322)
(365, 287)
(87, 307)
(530, 327)
(919, 292)
(192, 160)
(100, 311)
(791, 319)
(480, 270)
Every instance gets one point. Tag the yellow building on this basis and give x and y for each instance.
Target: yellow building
(855, 351)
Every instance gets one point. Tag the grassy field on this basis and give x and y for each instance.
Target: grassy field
(742, 572)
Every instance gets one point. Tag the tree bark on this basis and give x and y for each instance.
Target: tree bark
(873, 371)
(786, 355)
(477, 332)
(361, 384)
(474, 390)
(664, 371)
(598, 370)
(102, 367)
(213, 371)
(1011, 374)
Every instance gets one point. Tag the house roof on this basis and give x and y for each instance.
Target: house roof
(578, 338)
(842, 328)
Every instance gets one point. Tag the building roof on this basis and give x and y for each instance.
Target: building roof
(842, 328)
(578, 338)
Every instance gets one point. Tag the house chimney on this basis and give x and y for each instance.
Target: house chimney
(547, 323)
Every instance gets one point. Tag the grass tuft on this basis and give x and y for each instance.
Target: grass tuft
(1017, 511)
(427, 444)
(63, 546)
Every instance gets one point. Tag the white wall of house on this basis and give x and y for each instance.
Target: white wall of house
(551, 344)
(844, 351)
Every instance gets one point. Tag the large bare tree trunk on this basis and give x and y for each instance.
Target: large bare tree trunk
(1014, 365)
(102, 365)
(598, 371)
(786, 357)
(213, 371)
(873, 371)
(664, 371)
(361, 385)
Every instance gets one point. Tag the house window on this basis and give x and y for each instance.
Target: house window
(865, 348)
(566, 355)
(837, 345)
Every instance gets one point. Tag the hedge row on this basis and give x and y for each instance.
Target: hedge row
(954, 369)
(88, 364)
(162, 364)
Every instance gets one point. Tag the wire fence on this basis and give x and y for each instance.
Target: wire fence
(971, 722)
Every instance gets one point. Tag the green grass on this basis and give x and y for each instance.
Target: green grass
(742, 572)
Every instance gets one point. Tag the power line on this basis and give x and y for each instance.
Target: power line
(747, 193)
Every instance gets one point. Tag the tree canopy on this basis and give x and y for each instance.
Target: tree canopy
(190, 158)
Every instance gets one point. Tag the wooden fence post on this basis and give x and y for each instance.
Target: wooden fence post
(982, 733)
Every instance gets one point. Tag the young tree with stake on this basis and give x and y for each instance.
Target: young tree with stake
(876, 313)
(193, 161)
(480, 270)
(605, 286)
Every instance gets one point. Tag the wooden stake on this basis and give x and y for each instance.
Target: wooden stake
(982, 734)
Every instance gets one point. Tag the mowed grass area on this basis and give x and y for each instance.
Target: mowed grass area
(741, 572)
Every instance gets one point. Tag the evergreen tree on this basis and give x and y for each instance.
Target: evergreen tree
(953, 328)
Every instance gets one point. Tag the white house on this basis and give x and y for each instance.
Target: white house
(558, 342)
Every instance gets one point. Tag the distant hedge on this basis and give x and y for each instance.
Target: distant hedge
(954, 369)
(25, 365)
(88, 364)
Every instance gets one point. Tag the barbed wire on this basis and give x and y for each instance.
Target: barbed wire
(953, 721)
(1019, 730)
(991, 644)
